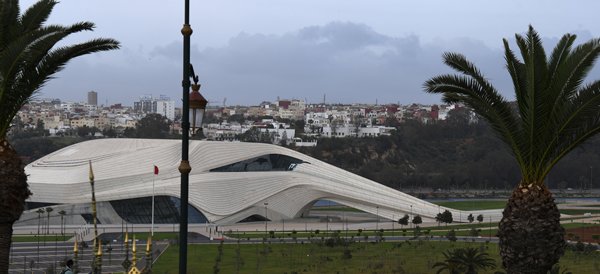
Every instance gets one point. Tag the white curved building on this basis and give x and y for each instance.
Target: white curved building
(229, 182)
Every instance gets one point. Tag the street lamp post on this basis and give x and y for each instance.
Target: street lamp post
(393, 224)
(266, 204)
(377, 225)
(184, 167)
(411, 215)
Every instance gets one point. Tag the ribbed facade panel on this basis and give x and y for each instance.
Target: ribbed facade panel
(123, 169)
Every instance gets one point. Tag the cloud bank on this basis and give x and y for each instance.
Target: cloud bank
(349, 62)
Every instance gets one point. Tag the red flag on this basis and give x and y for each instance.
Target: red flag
(155, 170)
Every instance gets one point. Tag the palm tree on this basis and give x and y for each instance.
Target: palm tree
(40, 211)
(62, 214)
(48, 210)
(449, 264)
(28, 59)
(473, 259)
(465, 260)
(554, 113)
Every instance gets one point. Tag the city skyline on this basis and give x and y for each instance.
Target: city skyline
(353, 52)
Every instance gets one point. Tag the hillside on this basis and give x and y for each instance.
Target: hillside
(445, 155)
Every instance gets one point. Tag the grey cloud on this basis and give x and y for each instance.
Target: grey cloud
(349, 62)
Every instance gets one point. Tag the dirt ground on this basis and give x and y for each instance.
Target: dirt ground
(584, 233)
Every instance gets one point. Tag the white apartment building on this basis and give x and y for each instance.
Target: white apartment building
(165, 108)
(162, 105)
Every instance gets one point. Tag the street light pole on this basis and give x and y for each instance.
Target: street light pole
(411, 215)
(377, 225)
(266, 204)
(184, 166)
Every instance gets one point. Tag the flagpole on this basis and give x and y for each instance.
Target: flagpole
(152, 230)
(153, 179)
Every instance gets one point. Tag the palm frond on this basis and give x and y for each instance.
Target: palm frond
(477, 93)
(36, 15)
(555, 113)
(580, 121)
(35, 77)
(9, 14)
(28, 53)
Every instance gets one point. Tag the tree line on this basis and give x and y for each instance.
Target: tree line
(455, 153)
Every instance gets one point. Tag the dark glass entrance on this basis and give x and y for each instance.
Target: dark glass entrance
(166, 210)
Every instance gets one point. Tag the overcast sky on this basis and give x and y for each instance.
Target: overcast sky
(250, 51)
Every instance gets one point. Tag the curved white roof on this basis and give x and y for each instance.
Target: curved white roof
(123, 169)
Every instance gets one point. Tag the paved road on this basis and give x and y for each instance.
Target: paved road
(31, 258)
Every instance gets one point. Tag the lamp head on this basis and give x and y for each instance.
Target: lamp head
(197, 101)
(197, 106)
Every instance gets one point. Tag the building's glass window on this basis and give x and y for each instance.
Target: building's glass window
(270, 162)
(166, 210)
(89, 218)
(254, 218)
(34, 205)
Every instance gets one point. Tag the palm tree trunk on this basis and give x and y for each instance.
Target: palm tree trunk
(5, 241)
(13, 193)
(531, 237)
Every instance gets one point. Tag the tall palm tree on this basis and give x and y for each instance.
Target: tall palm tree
(48, 211)
(554, 113)
(28, 59)
(40, 211)
(62, 214)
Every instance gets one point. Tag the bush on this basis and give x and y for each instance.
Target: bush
(451, 236)
(347, 254)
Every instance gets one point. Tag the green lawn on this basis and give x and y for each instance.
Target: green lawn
(473, 205)
(414, 257)
(578, 211)
(157, 235)
(578, 225)
(34, 238)
(442, 230)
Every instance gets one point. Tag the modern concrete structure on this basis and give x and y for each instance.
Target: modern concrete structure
(229, 182)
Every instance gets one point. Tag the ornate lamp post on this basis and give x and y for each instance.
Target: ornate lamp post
(184, 167)
(197, 104)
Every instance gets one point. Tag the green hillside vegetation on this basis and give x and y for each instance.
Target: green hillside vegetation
(450, 154)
